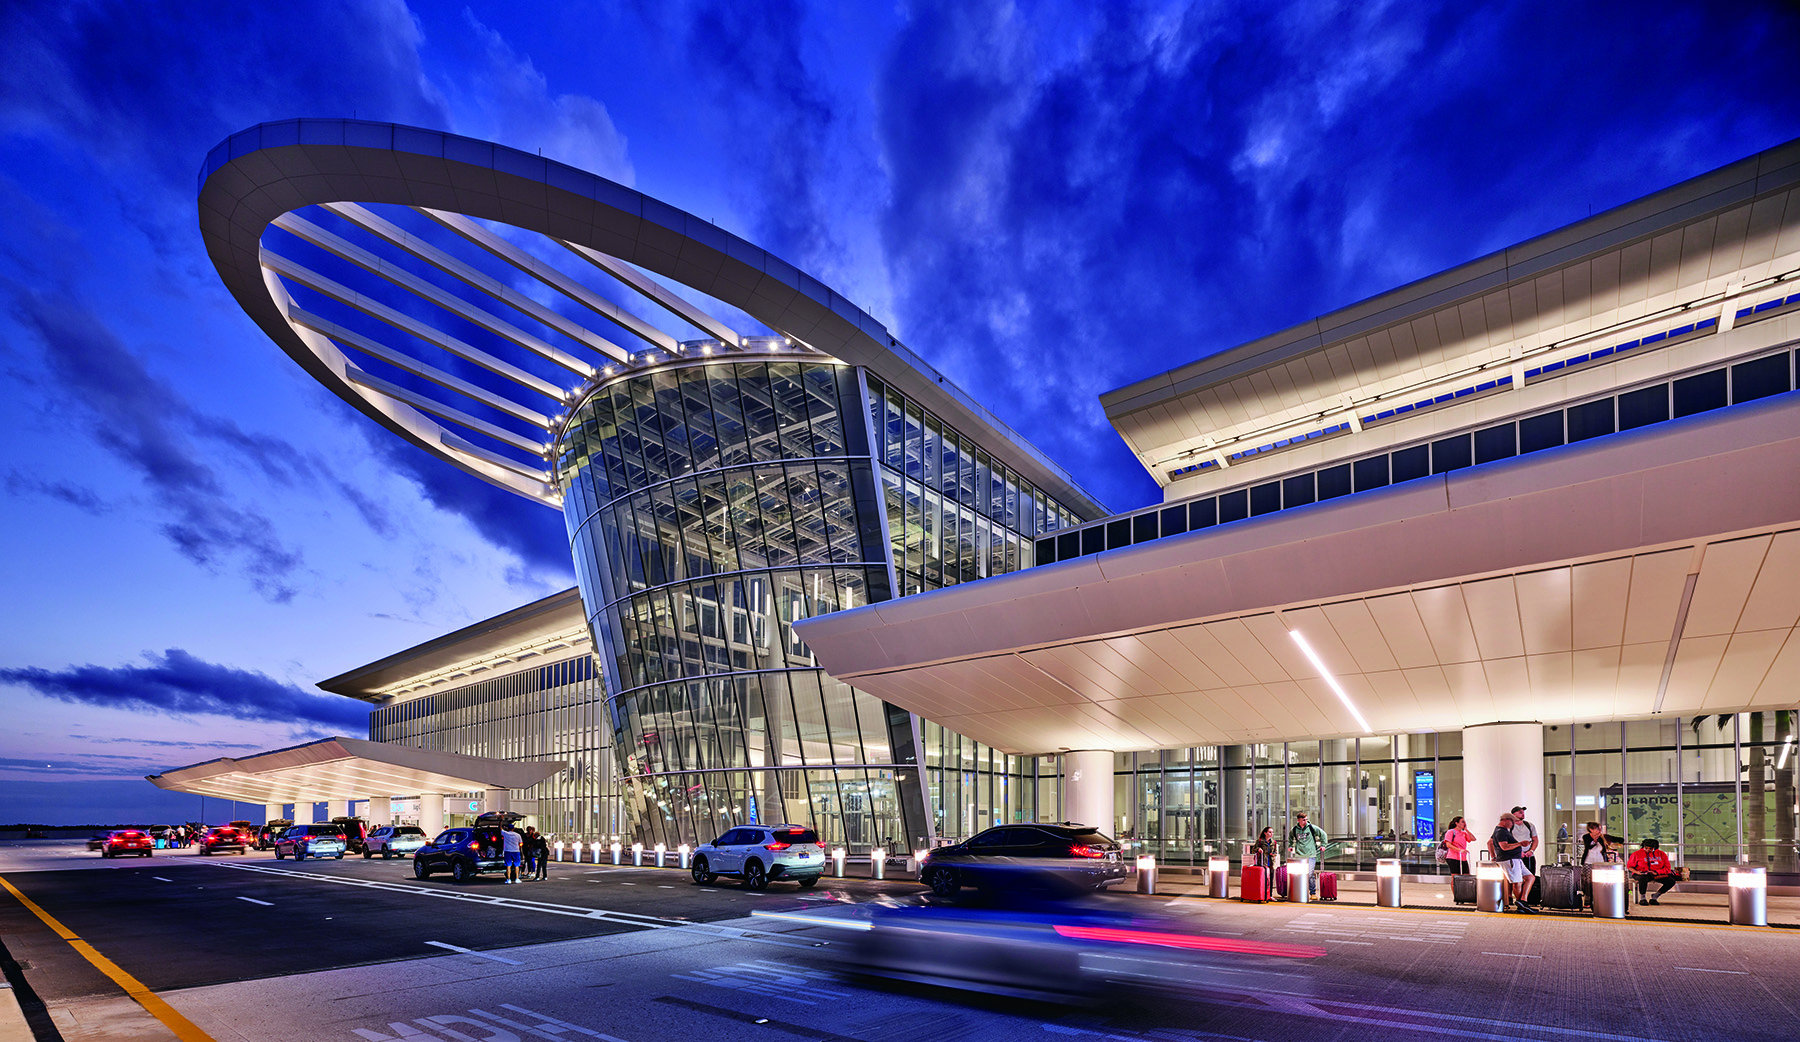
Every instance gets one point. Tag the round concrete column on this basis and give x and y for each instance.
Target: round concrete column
(431, 812)
(271, 811)
(1237, 800)
(381, 811)
(337, 809)
(1088, 788)
(303, 812)
(1503, 767)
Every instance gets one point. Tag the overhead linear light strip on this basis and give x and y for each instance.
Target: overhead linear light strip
(1331, 681)
(549, 275)
(1689, 329)
(405, 323)
(344, 250)
(400, 360)
(398, 237)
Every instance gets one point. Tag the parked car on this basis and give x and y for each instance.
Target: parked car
(463, 852)
(760, 853)
(266, 835)
(356, 832)
(1036, 856)
(392, 840)
(127, 841)
(97, 841)
(224, 837)
(304, 841)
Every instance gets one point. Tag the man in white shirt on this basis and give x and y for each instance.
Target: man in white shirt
(1526, 833)
(512, 844)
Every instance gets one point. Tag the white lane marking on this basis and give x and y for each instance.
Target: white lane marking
(471, 951)
(818, 920)
(637, 919)
(160, 879)
(664, 886)
(254, 901)
(1367, 944)
(1702, 969)
(627, 884)
(1513, 955)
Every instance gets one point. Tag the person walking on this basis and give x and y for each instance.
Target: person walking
(1306, 840)
(1525, 832)
(1456, 846)
(1262, 853)
(512, 845)
(1505, 849)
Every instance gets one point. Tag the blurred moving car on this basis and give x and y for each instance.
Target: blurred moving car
(97, 841)
(463, 852)
(304, 841)
(224, 837)
(127, 841)
(268, 834)
(1035, 856)
(760, 853)
(392, 840)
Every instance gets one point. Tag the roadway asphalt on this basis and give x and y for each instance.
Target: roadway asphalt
(251, 949)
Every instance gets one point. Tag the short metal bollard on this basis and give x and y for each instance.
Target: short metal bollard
(1490, 887)
(878, 863)
(662, 850)
(686, 853)
(577, 851)
(637, 854)
(1146, 874)
(615, 853)
(1609, 891)
(1387, 882)
(837, 863)
(1299, 889)
(1218, 877)
(1749, 895)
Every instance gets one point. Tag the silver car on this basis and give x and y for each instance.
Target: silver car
(759, 853)
(394, 840)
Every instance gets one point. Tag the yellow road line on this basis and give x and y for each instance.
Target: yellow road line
(184, 1029)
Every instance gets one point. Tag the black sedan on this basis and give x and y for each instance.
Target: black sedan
(223, 838)
(1035, 856)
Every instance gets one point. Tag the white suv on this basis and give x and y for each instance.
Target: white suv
(759, 853)
(389, 840)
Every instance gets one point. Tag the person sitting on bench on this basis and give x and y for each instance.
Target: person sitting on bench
(1648, 864)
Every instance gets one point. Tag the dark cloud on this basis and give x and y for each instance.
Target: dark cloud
(80, 497)
(178, 684)
(1079, 202)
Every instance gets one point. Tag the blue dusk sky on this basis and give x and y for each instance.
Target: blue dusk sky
(1046, 201)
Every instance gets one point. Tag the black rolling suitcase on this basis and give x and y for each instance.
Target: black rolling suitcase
(1462, 889)
(1559, 886)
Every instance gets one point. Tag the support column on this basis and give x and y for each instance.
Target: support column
(1088, 798)
(1503, 767)
(271, 811)
(431, 812)
(337, 809)
(381, 811)
(1237, 804)
(1334, 813)
(496, 800)
(303, 812)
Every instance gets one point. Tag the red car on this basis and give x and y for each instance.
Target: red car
(127, 841)
(223, 837)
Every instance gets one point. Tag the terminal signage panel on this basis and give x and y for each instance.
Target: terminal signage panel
(1425, 804)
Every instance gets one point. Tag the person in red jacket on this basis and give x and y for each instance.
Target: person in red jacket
(1648, 864)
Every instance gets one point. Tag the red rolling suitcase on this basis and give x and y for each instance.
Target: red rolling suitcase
(1327, 886)
(1281, 880)
(1254, 886)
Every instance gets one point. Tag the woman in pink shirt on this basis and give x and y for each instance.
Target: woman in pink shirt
(1456, 846)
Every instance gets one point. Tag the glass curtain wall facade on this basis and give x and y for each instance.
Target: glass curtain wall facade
(554, 711)
(710, 505)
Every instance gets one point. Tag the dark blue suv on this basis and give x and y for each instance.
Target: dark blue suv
(463, 852)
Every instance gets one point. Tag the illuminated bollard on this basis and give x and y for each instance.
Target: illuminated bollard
(1299, 870)
(1490, 888)
(661, 849)
(1218, 877)
(1387, 882)
(686, 853)
(1610, 890)
(918, 861)
(878, 863)
(837, 863)
(559, 850)
(1146, 873)
(637, 854)
(1749, 895)
(615, 853)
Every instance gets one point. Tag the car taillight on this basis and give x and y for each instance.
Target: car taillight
(777, 845)
(1083, 850)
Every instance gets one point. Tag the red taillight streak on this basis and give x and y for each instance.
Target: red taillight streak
(1083, 850)
(1177, 940)
(776, 846)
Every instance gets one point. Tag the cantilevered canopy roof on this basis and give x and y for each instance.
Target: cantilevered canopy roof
(1649, 572)
(350, 769)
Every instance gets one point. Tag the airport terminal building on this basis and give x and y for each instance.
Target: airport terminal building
(1524, 532)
